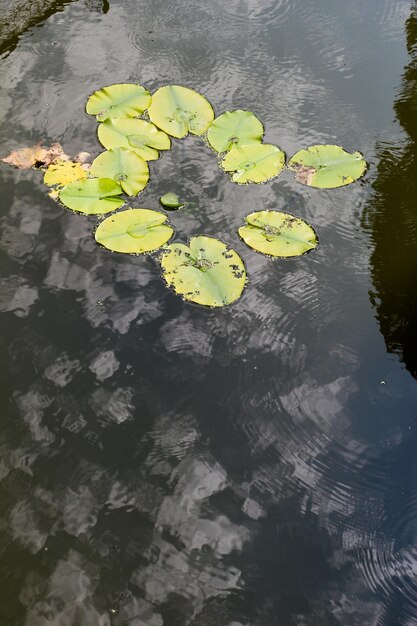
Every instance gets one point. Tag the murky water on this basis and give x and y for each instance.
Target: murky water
(165, 464)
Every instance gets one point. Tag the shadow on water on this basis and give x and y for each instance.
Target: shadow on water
(391, 217)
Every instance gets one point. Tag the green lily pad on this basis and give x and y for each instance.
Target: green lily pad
(234, 128)
(207, 272)
(134, 231)
(179, 111)
(170, 200)
(327, 167)
(278, 234)
(137, 135)
(255, 163)
(124, 100)
(124, 166)
(92, 196)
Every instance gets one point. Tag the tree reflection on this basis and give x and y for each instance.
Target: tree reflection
(392, 218)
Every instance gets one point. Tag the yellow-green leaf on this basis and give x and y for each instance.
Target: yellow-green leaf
(234, 128)
(134, 231)
(178, 111)
(121, 100)
(205, 272)
(327, 166)
(255, 163)
(278, 234)
(124, 166)
(137, 135)
(92, 196)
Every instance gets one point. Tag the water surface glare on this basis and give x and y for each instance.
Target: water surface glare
(164, 464)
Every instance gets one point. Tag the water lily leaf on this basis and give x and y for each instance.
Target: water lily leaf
(124, 166)
(207, 272)
(35, 156)
(64, 172)
(327, 167)
(170, 200)
(179, 111)
(234, 128)
(278, 234)
(92, 196)
(123, 100)
(137, 135)
(255, 163)
(134, 231)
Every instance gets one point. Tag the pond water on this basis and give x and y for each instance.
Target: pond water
(167, 464)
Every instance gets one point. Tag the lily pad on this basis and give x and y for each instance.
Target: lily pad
(255, 163)
(134, 231)
(234, 128)
(124, 166)
(170, 200)
(278, 234)
(63, 172)
(123, 100)
(327, 166)
(92, 196)
(137, 135)
(207, 272)
(179, 111)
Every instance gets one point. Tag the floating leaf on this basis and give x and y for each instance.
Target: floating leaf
(327, 167)
(137, 135)
(278, 234)
(35, 156)
(170, 200)
(255, 163)
(123, 100)
(124, 166)
(179, 111)
(234, 128)
(134, 231)
(92, 196)
(207, 272)
(64, 172)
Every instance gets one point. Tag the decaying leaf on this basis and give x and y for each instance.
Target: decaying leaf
(327, 166)
(278, 234)
(206, 272)
(304, 174)
(63, 172)
(82, 157)
(36, 156)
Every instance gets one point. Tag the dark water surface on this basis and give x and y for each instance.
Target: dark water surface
(163, 464)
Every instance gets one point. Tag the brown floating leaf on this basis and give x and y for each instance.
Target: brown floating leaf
(82, 157)
(304, 174)
(36, 156)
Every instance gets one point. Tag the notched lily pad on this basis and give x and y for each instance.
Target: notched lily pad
(327, 166)
(134, 231)
(63, 172)
(206, 272)
(125, 167)
(138, 135)
(122, 100)
(278, 234)
(234, 128)
(179, 110)
(255, 163)
(170, 200)
(92, 196)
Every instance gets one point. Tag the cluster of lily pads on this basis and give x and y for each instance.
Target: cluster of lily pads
(134, 127)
